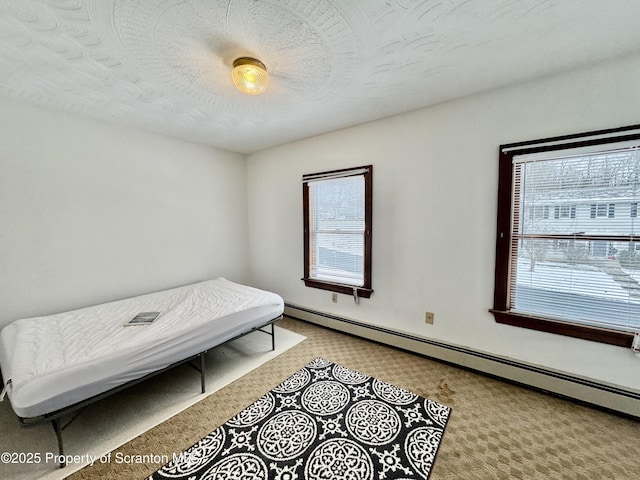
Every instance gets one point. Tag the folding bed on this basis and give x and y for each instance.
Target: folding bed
(55, 365)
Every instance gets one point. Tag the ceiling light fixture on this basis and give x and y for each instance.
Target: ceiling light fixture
(250, 75)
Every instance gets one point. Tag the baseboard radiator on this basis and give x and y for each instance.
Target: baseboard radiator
(602, 395)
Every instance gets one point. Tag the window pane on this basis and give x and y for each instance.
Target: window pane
(337, 230)
(338, 258)
(599, 186)
(572, 280)
(580, 263)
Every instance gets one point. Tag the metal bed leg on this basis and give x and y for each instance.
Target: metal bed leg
(273, 337)
(58, 430)
(202, 380)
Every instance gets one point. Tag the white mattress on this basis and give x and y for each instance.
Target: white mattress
(55, 361)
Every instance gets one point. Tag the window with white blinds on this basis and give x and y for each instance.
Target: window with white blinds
(577, 260)
(568, 251)
(338, 230)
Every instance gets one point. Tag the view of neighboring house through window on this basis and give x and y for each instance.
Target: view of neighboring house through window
(337, 230)
(577, 270)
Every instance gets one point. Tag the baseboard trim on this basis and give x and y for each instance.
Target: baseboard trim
(584, 390)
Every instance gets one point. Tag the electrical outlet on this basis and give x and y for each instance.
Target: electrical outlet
(428, 318)
(334, 297)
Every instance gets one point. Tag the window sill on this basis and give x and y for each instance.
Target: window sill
(338, 287)
(597, 334)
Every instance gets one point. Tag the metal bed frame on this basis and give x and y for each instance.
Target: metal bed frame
(55, 416)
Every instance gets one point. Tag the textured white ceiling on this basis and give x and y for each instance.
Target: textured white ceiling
(164, 65)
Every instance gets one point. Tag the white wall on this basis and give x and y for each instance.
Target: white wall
(91, 212)
(434, 213)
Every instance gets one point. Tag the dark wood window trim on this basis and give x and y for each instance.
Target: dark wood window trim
(500, 308)
(365, 290)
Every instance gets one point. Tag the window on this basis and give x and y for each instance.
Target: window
(603, 210)
(539, 211)
(337, 230)
(564, 211)
(579, 276)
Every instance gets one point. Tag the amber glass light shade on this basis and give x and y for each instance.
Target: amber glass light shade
(250, 76)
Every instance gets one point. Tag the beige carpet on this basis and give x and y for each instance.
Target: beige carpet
(496, 430)
(116, 420)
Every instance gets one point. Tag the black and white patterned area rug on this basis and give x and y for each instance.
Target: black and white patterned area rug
(324, 422)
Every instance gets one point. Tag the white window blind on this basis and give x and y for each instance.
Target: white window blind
(337, 229)
(575, 253)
